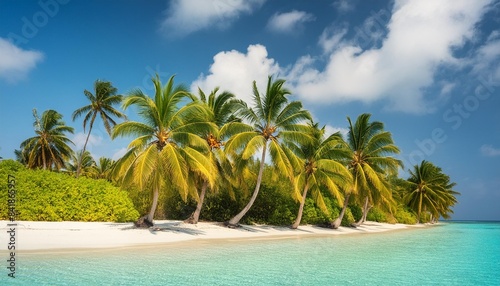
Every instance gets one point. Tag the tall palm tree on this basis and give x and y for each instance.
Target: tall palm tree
(49, 149)
(272, 121)
(84, 161)
(369, 149)
(223, 108)
(430, 190)
(321, 167)
(101, 103)
(166, 147)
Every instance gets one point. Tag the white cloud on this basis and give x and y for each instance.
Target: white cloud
(187, 16)
(420, 37)
(447, 87)
(289, 22)
(331, 38)
(80, 137)
(235, 71)
(343, 5)
(329, 130)
(489, 151)
(16, 63)
(487, 59)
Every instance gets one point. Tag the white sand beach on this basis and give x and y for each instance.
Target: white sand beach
(49, 236)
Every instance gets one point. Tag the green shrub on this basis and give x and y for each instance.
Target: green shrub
(270, 198)
(348, 218)
(49, 196)
(357, 212)
(219, 207)
(376, 214)
(405, 216)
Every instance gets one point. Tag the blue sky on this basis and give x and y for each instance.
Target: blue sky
(430, 70)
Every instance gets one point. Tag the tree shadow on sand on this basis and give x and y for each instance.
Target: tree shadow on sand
(175, 227)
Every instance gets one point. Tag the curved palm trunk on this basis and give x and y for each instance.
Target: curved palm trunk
(296, 224)
(196, 214)
(147, 220)
(365, 213)
(336, 223)
(79, 163)
(151, 214)
(236, 219)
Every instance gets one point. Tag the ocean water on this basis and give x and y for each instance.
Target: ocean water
(450, 253)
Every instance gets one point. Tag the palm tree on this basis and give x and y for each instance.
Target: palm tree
(369, 150)
(166, 147)
(22, 156)
(272, 121)
(104, 168)
(223, 108)
(84, 161)
(321, 168)
(49, 149)
(430, 191)
(101, 103)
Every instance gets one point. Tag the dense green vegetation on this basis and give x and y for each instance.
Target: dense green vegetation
(195, 157)
(49, 196)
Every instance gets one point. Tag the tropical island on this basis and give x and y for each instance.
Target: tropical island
(214, 157)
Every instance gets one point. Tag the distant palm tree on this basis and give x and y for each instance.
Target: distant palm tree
(101, 103)
(321, 167)
(49, 149)
(430, 190)
(166, 146)
(103, 168)
(369, 149)
(223, 108)
(272, 121)
(22, 156)
(84, 161)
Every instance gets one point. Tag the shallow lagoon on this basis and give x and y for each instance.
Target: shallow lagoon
(451, 253)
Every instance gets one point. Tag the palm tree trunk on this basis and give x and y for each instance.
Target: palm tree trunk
(151, 214)
(196, 214)
(79, 163)
(336, 223)
(146, 221)
(296, 224)
(365, 213)
(44, 159)
(419, 208)
(236, 219)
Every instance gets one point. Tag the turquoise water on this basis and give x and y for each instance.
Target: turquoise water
(454, 253)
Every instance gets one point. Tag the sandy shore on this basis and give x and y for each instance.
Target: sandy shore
(45, 236)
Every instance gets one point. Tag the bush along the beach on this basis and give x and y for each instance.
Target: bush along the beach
(375, 214)
(405, 216)
(49, 196)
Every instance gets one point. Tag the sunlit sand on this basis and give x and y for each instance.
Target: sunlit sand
(47, 236)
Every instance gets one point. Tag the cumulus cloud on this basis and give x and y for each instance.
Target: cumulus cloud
(487, 60)
(329, 130)
(289, 22)
(80, 137)
(489, 151)
(331, 38)
(16, 63)
(343, 5)
(186, 16)
(235, 72)
(419, 37)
